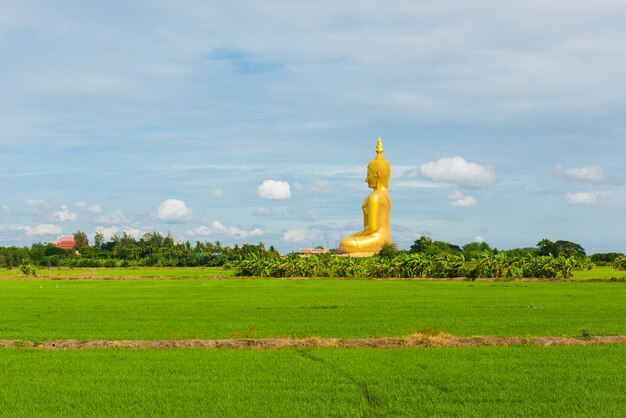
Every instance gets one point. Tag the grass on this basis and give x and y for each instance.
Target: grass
(180, 309)
(600, 273)
(484, 381)
(206, 272)
(520, 381)
(130, 272)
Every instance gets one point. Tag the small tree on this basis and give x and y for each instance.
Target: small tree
(560, 248)
(28, 269)
(428, 246)
(99, 239)
(476, 246)
(81, 241)
(388, 251)
(421, 244)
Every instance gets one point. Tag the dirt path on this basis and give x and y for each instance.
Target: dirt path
(415, 340)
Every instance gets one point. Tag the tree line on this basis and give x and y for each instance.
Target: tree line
(154, 249)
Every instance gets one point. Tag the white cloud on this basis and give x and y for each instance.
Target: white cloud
(415, 184)
(459, 199)
(173, 210)
(135, 232)
(85, 207)
(110, 231)
(118, 217)
(459, 171)
(321, 186)
(582, 198)
(262, 211)
(234, 231)
(5, 209)
(594, 173)
(219, 228)
(36, 205)
(44, 229)
(298, 186)
(64, 215)
(294, 235)
(217, 192)
(466, 202)
(274, 189)
(479, 238)
(202, 230)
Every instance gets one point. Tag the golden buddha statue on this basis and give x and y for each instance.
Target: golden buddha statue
(376, 208)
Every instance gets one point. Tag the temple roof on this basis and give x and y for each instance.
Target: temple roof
(66, 242)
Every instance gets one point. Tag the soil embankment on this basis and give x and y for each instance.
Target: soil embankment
(412, 341)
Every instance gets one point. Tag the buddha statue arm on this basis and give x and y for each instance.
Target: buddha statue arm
(370, 216)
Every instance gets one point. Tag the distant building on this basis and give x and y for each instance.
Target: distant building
(66, 242)
(313, 251)
(170, 236)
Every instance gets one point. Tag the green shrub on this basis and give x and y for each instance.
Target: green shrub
(620, 263)
(388, 251)
(28, 269)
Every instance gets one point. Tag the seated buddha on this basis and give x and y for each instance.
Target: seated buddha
(376, 207)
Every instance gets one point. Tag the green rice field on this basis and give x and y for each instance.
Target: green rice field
(600, 273)
(196, 303)
(181, 309)
(514, 381)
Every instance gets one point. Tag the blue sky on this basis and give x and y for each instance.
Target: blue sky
(254, 121)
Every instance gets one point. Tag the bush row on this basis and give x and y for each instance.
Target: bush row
(411, 265)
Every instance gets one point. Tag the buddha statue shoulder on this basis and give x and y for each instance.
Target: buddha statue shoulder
(376, 208)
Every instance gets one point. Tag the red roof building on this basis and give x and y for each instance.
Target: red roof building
(66, 242)
(313, 251)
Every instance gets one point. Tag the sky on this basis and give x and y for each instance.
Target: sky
(249, 121)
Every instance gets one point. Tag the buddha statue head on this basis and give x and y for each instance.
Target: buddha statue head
(378, 170)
